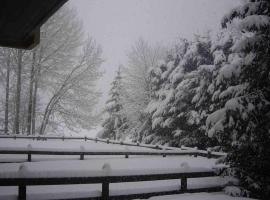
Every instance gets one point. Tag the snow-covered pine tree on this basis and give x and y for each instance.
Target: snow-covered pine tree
(137, 91)
(243, 120)
(115, 124)
(161, 86)
(175, 118)
(189, 98)
(206, 99)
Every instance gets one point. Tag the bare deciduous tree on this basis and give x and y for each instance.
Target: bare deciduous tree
(54, 84)
(78, 82)
(137, 94)
(18, 92)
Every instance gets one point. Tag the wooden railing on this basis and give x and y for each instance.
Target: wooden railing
(22, 183)
(163, 153)
(195, 151)
(85, 138)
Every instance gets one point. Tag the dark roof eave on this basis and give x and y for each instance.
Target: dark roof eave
(21, 20)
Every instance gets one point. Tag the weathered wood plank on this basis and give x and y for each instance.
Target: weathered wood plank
(22, 192)
(101, 179)
(105, 191)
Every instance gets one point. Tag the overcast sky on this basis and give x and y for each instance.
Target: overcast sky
(117, 24)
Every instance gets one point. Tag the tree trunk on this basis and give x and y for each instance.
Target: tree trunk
(51, 106)
(18, 94)
(47, 114)
(7, 96)
(56, 98)
(36, 81)
(45, 121)
(23, 120)
(30, 103)
(34, 107)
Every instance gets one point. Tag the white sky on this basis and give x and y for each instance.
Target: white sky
(117, 24)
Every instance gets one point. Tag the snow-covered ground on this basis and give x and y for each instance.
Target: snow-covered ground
(118, 166)
(83, 132)
(58, 145)
(198, 196)
(62, 145)
(62, 166)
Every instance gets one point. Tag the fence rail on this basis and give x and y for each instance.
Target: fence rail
(195, 152)
(29, 153)
(85, 138)
(22, 183)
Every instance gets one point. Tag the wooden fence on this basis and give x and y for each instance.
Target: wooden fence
(108, 141)
(29, 153)
(22, 183)
(177, 151)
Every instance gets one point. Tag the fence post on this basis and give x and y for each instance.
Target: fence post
(196, 152)
(164, 155)
(184, 184)
(29, 157)
(22, 192)
(105, 191)
(82, 156)
(208, 153)
(96, 140)
(85, 138)
(108, 141)
(14, 137)
(63, 138)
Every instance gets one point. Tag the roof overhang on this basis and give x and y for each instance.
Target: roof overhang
(20, 21)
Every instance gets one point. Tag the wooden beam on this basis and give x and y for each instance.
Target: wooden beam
(22, 192)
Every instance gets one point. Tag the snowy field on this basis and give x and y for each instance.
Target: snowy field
(59, 145)
(199, 196)
(70, 166)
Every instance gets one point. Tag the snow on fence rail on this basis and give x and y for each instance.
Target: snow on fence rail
(118, 177)
(126, 153)
(193, 151)
(85, 138)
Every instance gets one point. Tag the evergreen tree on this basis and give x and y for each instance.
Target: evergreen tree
(242, 122)
(115, 124)
(160, 86)
(137, 92)
(175, 118)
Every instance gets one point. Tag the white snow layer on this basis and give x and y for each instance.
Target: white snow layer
(199, 196)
